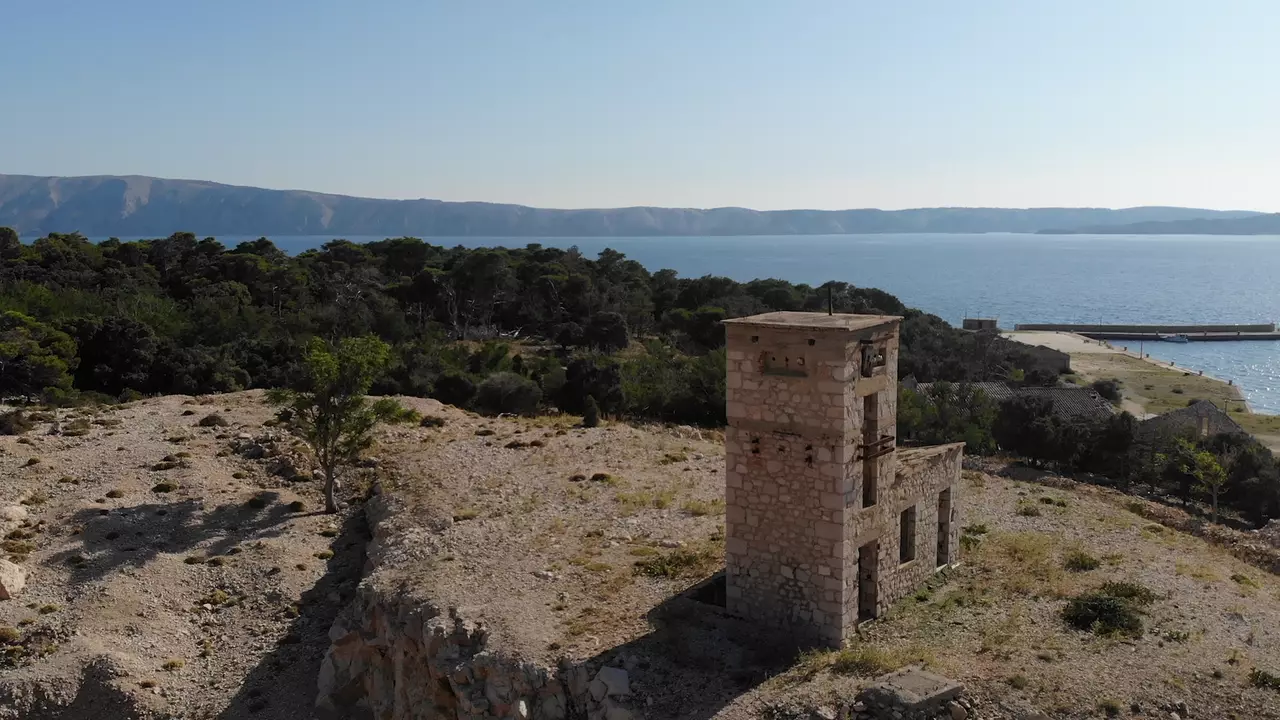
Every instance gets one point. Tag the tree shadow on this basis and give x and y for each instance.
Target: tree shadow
(284, 680)
(112, 539)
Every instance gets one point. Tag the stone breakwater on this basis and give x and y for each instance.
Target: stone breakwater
(395, 657)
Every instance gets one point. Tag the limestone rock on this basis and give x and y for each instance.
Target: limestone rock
(616, 681)
(12, 579)
(957, 711)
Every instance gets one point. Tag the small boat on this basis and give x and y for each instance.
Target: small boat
(1175, 338)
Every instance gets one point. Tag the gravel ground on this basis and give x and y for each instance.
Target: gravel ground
(535, 527)
(204, 600)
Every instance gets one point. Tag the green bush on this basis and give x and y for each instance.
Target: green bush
(676, 564)
(1080, 561)
(454, 389)
(506, 392)
(1115, 608)
(1263, 679)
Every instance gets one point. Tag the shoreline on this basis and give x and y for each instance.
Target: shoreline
(1150, 386)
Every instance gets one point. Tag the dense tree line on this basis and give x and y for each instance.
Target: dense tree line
(1231, 470)
(494, 329)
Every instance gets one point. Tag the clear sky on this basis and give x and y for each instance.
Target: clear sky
(698, 103)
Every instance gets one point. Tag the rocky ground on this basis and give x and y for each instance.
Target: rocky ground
(171, 575)
(174, 569)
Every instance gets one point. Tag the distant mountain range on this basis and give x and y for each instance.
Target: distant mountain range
(1251, 224)
(137, 206)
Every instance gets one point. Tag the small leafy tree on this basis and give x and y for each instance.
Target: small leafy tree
(1204, 467)
(331, 413)
(590, 413)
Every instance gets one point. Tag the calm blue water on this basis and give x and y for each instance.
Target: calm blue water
(1016, 278)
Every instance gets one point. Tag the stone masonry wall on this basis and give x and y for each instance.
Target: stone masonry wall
(785, 449)
(923, 474)
(795, 407)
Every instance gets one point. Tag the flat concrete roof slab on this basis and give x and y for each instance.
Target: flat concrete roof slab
(815, 321)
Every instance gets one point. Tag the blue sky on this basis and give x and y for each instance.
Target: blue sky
(783, 104)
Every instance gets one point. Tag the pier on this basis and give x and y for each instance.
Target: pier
(1194, 333)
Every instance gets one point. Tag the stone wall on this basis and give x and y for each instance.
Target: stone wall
(923, 474)
(798, 408)
(400, 661)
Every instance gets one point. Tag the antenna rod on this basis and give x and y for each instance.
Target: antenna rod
(830, 304)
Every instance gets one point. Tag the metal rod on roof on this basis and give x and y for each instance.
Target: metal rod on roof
(831, 308)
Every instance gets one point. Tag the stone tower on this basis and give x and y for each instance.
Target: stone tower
(826, 521)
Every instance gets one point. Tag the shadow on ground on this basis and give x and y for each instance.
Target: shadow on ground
(283, 684)
(112, 539)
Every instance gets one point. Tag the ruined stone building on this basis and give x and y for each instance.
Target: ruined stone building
(827, 521)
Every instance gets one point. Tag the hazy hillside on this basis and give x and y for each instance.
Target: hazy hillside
(142, 206)
(1249, 225)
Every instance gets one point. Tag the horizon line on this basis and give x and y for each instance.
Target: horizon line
(631, 207)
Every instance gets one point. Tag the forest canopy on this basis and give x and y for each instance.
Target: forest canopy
(493, 329)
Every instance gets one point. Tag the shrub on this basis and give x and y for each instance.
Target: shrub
(15, 422)
(505, 392)
(297, 506)
(1113, 609)
(698, 508)
(432, 421)
(324, 554)
(1134, 592)
(164, 487)
(677, 564)
(1080, 561)
(257, 502)
(454, 389)
(1018, 682)
(466, 514)
(31, 462)
(1262, 679)
(1109, 389)
(9, 636)
(115, 493)
(76, 428)
(1029, 511)
(405, 415)
(590, 413)
(213, 420)
(1245, 580)
(1110, 707)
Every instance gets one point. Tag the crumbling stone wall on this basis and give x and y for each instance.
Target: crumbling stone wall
(923, 475)
(397, 660)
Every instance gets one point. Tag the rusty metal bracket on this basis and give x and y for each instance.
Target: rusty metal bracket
(877, 448)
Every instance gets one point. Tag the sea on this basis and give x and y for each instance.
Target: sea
(1016, 278)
